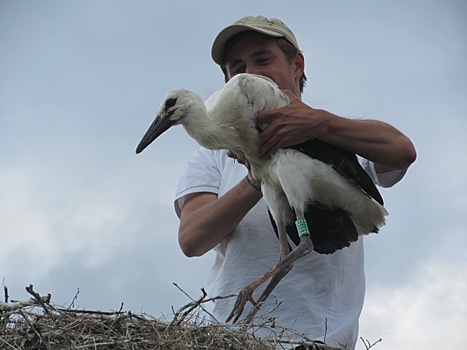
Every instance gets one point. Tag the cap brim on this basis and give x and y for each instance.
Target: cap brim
(217, 51)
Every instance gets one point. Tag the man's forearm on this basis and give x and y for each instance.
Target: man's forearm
(372, 139)
(207, 220)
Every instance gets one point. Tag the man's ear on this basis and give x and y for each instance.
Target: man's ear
(299, 64)
(226, 75)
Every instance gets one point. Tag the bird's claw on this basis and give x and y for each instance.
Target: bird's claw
(243, 297)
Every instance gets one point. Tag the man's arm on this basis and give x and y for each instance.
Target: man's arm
(206, 220)
(375, 140)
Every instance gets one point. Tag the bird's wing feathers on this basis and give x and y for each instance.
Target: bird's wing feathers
(342, 161)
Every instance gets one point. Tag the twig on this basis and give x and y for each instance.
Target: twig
(117, 318)
(367, 344)
(91, 312)
(199, 302)
(72, 304)
(21, 304)
(39, 299)
(190, 306)
(5, 289)
(30, 325)
(7, 343)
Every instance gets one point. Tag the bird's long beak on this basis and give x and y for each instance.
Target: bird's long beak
(158, 126)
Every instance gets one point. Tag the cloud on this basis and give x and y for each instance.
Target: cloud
(427, 312)
(109, 232)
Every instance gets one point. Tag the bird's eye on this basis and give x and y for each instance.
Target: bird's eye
(170, 103)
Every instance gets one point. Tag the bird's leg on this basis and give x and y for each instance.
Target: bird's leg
(304, 248)
(246, 294)
(276, 273)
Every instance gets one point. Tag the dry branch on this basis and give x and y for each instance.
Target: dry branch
(22, 304)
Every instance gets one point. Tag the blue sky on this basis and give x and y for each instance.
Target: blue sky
(81, 81)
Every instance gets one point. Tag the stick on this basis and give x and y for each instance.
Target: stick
(21, 304)
(39, 299)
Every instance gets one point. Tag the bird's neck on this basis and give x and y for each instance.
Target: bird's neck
(205, 130)
(224, 126)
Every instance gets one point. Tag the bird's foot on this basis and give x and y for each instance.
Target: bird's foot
(245, 295)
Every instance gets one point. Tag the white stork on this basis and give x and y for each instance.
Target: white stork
(317, 193)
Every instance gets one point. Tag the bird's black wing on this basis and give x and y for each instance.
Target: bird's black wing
(342, 161)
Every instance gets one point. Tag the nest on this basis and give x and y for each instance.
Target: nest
(38, 324)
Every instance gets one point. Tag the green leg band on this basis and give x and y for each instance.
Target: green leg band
(302, 227)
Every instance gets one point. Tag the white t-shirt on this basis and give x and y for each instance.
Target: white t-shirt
(321, 297)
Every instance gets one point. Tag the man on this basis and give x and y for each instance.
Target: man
(219, 209)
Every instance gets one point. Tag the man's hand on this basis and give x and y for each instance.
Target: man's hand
(256, 181)
(290, 125)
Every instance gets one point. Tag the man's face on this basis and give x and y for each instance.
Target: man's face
(259, 54)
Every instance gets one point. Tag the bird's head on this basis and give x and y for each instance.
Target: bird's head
(173, 110)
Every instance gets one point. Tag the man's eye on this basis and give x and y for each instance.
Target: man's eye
(263, 60)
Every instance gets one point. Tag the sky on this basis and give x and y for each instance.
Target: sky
(80, 213)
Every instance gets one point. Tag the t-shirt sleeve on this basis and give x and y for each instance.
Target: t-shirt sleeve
(201, 174)
(386, 179)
